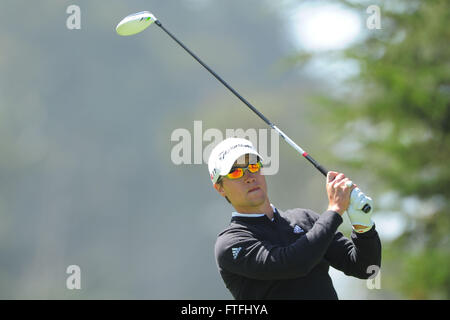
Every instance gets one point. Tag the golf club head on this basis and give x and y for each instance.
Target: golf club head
(135, 23)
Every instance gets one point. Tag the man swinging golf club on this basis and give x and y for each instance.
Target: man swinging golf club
(266, 253)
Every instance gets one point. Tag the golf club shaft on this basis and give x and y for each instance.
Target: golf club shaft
(248, 104)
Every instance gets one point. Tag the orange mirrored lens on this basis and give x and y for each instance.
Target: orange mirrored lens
(236, 173)
(239, 172)
(254, 167)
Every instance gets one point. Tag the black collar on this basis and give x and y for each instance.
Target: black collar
(257, 219)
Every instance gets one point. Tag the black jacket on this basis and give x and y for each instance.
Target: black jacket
(289, 257)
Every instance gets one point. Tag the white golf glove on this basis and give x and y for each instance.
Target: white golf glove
(359, 203)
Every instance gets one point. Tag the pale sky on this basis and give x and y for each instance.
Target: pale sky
(323, 26)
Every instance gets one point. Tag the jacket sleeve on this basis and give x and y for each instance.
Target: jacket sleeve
(355, 256)
(239, 252)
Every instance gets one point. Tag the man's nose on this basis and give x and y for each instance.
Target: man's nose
(248, 176)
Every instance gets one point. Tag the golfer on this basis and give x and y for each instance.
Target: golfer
(266, 253)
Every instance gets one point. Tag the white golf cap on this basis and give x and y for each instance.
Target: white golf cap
(225, 154)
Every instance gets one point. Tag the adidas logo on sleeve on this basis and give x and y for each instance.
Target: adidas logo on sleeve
(298, 229)
(235, 252)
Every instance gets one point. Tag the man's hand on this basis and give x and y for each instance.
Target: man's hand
(338, 192)
(361, 220)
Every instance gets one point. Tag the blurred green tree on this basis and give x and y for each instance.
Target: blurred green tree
(398, 113)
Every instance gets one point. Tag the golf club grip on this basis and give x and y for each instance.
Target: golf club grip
(317, 165)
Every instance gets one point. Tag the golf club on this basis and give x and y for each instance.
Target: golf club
(137, 22)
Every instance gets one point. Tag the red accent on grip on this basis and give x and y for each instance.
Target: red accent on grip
(305, 154)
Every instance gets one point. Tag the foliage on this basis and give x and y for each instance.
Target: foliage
(399, 112)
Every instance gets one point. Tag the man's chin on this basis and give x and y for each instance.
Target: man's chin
(256, 197)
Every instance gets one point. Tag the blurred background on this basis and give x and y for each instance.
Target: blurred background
(86, 118)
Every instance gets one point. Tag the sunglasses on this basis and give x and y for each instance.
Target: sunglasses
(238, 172)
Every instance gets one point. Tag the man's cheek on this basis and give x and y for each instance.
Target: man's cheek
(262, 182)
(239, 195)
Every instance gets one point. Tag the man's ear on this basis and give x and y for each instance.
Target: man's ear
(219, 188)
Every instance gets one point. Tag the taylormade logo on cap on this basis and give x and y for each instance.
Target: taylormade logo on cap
(226, 153)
